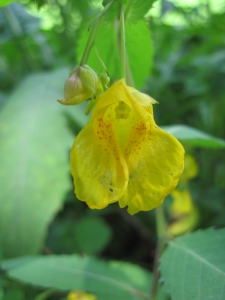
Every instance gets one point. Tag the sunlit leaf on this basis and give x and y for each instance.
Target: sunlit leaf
(139, 49)
(193, 266)
(106, 45)
(134, 10)
(139, 9)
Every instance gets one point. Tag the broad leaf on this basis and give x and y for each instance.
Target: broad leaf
(139, 9)
(193, 266)
(34, 158)
(139, 49)
(112, 280)
(106, 44)
(194, 137)
(135, 12)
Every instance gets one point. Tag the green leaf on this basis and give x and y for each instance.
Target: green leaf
(194, 137)
(139, 49)
(108, 280)
(139, 9)
(193, 266)
(92, 235)
(34, 159)
(5, 2)
(136, 11)
(107, 47)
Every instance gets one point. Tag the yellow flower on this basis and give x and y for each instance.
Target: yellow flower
(190, 169)
(182, 210)
(122, 155)
(182, 202)
(79, 295)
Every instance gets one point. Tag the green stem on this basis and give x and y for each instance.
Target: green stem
(161, 243)
(130, 78)
(100, 61)
(160, 222)
(89, 44)
(92, 36)
(127, 9)
(101, 14)
(122, 43)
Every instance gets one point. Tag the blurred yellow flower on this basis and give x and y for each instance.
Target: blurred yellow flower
(122, 155)
(182, 210)
(182, 202)
(79, 295)
(190, 169)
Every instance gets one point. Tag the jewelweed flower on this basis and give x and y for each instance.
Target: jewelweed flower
(122, 155)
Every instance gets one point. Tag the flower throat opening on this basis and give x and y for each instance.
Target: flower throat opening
(122, 110)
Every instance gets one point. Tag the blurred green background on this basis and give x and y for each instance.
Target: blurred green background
(39, 212)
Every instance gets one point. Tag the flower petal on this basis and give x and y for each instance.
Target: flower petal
(155, 161)
(97, 164)
(143, 99)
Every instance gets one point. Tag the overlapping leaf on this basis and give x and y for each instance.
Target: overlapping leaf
(193, 266)
(34, 158)
(112, 280)
(194, 137)
(137, 35)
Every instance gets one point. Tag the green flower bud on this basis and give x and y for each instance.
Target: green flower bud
(99, 88)
(104, 77)
(80, 86)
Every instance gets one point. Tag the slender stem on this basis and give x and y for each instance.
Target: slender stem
(89, 44)
(93, 33)
(126, 71)
(130, 78)
(122, 43)
(127, 9)
(101, 14)
(100, 61)
(161, 243)
(160, 222)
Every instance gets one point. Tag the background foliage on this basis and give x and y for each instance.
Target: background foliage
(178, 57)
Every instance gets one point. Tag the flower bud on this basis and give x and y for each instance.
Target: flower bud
(99, 88)
(81, 85)
(104, 77)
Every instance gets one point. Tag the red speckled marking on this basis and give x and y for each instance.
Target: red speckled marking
(105, 134)
(138, 135)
